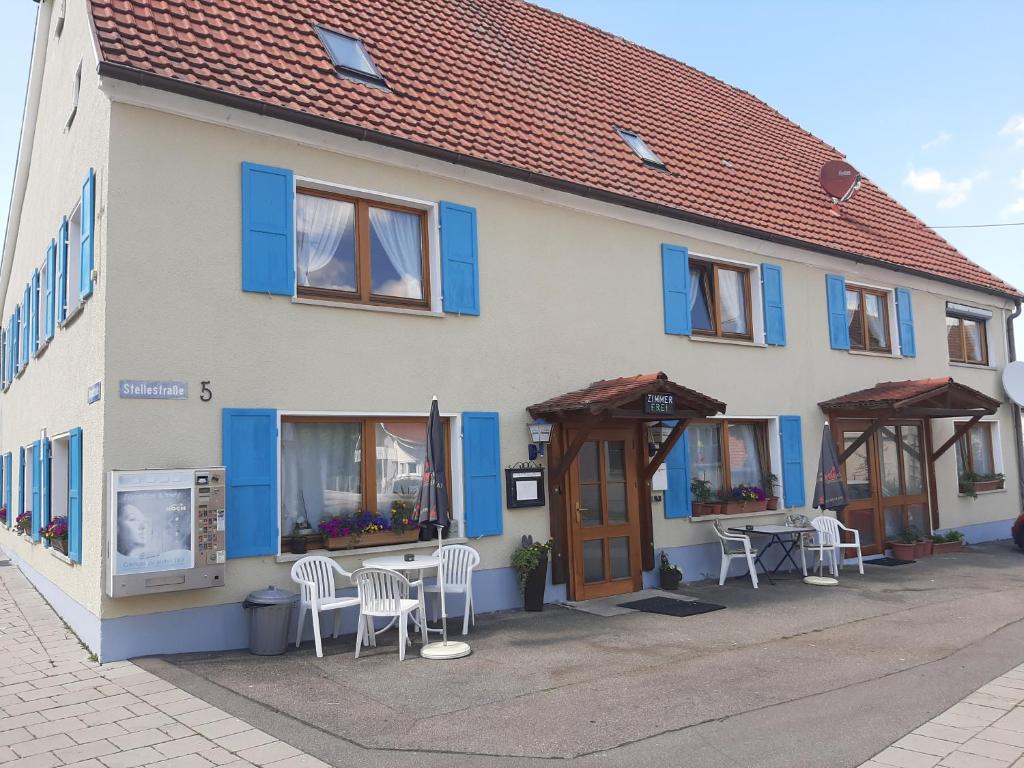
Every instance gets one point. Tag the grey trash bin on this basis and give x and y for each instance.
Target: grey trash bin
(270, 613)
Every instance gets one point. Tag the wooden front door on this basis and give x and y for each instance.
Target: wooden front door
(604, 515)
(887, 480)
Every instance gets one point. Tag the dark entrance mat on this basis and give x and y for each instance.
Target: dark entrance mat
(888, 561)
(671, 607)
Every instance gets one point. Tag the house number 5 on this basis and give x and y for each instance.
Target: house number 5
(206, 394)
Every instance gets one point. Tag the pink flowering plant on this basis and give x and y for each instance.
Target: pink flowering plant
(744, 492)
(56, 530)
(23, 522)
(343, 526)
(3, 515)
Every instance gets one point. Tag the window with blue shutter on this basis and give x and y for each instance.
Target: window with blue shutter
(44, 483)
(33, 329)
(5, 480)
(51, 264)
(481, 470)
(36, 483)
(87, 241)
(250, 461)
(8, 482)
(905, 320)
(838, 328)
(774, 309)
(678, 501)
(16, 364)
(791, 439)
(675, 286)
(460, 268)
(21, 480)
(61, 279)
(3, 358)
(75, 495)
(268, 230)
(26, 323)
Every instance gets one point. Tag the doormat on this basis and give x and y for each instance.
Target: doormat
(889, 561)
(671, 607)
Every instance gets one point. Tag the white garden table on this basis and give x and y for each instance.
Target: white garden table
(398, 563)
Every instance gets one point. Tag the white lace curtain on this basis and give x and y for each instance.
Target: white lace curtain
(322, 223)
(733, 299)
(744, 455)
(320, 471)
(399, 233)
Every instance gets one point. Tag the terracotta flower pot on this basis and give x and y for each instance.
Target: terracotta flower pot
(61, 545)
(946, 547)
(901, 550)
(922, 548)
(772, 502)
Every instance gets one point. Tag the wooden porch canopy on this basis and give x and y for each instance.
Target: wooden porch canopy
(917, 399)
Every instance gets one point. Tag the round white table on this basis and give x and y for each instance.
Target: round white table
(398, 563)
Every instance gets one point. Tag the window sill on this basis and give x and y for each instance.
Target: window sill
(864, 353)
(62, 557)
(365, 307)
(43, 346)
(975, 366)
(982, 493)
(721, 340)
(359, 552)
(73, 315)
(27, 538)
(766, 513)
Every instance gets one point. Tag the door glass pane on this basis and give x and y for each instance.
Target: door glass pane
(706, 454)
(396, 253)
(862, 520)
(894, 523)
(588, 463)
(917, 517)
(325, 240)
(745, 455)
(321, 467)
(618, 550)
(590, 505)
(700, 309)
(889, 460)
(401, 448)
(858, 474)
(878, 332)
(853, 320)
(593, 560)
(912, 460)
(615, 460)
(974, 338)
(617, 513)
(732, 292)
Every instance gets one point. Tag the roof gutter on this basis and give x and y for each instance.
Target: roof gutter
(26, 141)
(146, 79)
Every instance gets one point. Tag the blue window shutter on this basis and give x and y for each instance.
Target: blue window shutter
(17, 339)
(678, 501)
(481, 471)
(44, 483)
(460, 267)
(87, 244)
(774, 309)
(268, 231)
(61, 296)
(36, 485)
(250, 461)
(3, 358)
(8, 483)
(75, 495)
(21, 479)
(905, 318)
(33, 330)
(26, 323)
(51, 262)
(675, 286)
(838, 328)
(791, 438)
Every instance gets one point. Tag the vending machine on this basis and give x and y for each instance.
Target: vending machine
(166, 530)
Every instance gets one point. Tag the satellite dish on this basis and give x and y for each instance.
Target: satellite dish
(840, 180)
(1013, 381)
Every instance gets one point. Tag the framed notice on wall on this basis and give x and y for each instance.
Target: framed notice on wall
(524, 487)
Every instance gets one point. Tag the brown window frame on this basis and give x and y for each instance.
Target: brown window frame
(716, 309)
(968, 454)
(723, 440)
(963, 339)
(364, 275)
(884, 296)
(368, 469)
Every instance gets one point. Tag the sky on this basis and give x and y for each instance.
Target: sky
(925, 97)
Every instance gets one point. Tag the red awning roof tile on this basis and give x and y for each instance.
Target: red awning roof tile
(612, 393)
(889, 394)
(516, 87)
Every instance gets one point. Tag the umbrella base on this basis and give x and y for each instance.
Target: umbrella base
(453, 649)
(821, 581)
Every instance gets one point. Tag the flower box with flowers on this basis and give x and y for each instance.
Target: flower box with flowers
(57, 534)
(745, 499)
(367, 529)
(23, 523)
(3, 515)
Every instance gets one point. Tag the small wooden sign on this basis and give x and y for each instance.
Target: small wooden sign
(659, 403)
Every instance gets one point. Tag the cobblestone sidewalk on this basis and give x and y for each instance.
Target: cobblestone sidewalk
(985, 730)
(59, 707)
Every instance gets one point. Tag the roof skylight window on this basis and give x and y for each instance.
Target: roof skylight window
(640, 148)
(349, 56)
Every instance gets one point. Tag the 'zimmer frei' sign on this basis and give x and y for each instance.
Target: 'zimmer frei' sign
(132, 389)
(657, 403)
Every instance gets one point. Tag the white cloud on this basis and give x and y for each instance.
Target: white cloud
(942, 138)
(1014, 128)
(1019, 181)
(1015, 208)
(951, 193)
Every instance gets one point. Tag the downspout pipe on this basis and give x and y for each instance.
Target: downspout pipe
(1018, 428)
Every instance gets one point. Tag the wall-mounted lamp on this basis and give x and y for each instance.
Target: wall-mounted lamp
(540, 435)
(657, 434)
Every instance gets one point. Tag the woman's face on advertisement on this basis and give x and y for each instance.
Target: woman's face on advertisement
(131, 527)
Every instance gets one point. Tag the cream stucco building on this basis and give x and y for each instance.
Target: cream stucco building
(313, 279)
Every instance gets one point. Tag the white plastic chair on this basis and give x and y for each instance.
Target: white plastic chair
(836, 529)
(825, 541)
(315, 574)
(383, 592)
(735, 545)
(458, 562)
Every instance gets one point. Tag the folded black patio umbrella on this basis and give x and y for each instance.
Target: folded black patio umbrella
(829, 489)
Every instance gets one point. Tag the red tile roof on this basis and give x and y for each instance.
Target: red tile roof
(612, 393)
(510, 87)
(887, 394)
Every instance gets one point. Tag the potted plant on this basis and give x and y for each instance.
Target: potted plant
(903, 547)
(771, 482)
(971, 483)
(744, 499)
(700, 489)
(23, 523)
(950, 541)
(368, 529)
(3, 515)
(668, 574)
(923, 546)
(530, 562)
(57, 534)
(297, 541)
